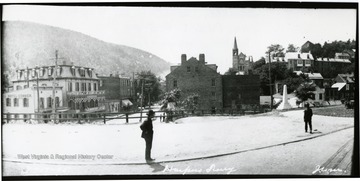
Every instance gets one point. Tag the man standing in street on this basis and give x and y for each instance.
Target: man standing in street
(307, 117)
(147, 134)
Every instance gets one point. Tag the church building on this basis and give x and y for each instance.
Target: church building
(241, 63)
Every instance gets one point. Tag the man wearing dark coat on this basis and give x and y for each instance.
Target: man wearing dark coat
(147, 134)
(307, 117)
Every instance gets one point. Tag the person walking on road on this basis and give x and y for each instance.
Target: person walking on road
(307, 117)
(147, 134)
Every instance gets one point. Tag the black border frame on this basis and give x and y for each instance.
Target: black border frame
(215, 4)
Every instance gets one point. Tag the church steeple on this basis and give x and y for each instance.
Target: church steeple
(235, 49)
(235, 44)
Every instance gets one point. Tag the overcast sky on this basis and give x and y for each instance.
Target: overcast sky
(170, 32)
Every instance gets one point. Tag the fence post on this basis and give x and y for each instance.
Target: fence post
(127, 117)
(104, 119)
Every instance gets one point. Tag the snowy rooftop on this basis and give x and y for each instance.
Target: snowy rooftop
(338, 85)
(298, 55)
(314, 75)
(333, 60)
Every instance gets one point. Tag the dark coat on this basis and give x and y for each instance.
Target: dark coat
(147, 129)
(307, 115)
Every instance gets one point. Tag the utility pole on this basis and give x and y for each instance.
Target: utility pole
(54, 82)
(119, 93)
(271, 95)
(37, 86)
(149, 97)
(142, 97)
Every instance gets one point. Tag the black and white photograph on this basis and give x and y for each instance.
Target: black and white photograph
(180, 90)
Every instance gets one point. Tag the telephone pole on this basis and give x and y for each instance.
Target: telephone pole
(54, 82)
(142, 97)
(271, 95)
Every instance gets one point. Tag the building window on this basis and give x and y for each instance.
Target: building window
(72, 69)
(95, 87)
(77, 86)
(44, 85)
(307, 63)
(175, 83)
(49, 103)
(26, 102)
(70, 86)
(26, 74)
(90, 72)
(58, 71)
(18, 75)
(18, 87)
(42, 103)
(83, 86)
(41, 72)
(188, 68)
(299, 56)
(196, 69)
(213, 82)
(89, 87)
(8, 102)
(57, 102)
(50, 70)
(213, 95)
(300, 62)
(26, 86)
(347, 87)
(16, 102)
(320, 96)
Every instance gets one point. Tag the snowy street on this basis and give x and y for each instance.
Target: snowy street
(93, 149)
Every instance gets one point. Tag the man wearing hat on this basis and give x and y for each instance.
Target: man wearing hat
(307, 117)
(147, 134)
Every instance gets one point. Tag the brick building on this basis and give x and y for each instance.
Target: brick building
(117, 88)
(241, 91)
(326, 65)
(196, 76)
(300, 61)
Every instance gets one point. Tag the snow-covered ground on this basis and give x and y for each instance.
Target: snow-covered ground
(186, 138)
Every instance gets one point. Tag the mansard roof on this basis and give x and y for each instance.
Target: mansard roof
(63, 71)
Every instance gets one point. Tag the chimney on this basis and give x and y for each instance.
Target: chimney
(202, 58)
(183, 58)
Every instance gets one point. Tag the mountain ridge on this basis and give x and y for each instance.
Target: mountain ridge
(26, 44)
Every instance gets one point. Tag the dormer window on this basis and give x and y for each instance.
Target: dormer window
(188, 68)
(299, 56)
(33, 72)
(50, 71)
(26, 74)
(308, 56)
(18, 74)
(90, 72)
(82, 72)
(41, 72)
(58, 70)
(72, 70)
